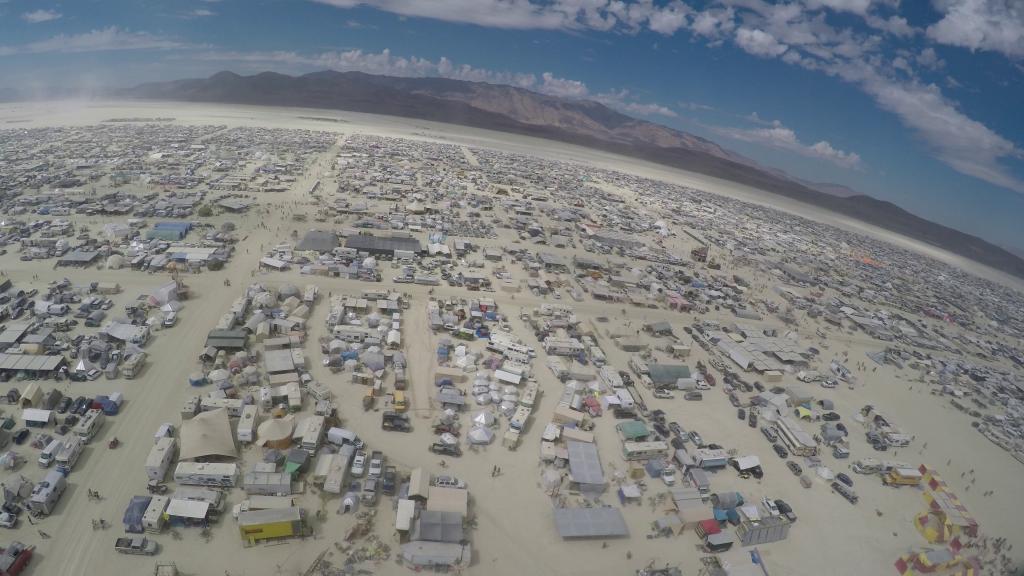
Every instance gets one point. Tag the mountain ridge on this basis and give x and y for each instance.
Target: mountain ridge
(582, 122)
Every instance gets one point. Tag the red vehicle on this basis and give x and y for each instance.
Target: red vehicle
(14, 558)
(593, 406)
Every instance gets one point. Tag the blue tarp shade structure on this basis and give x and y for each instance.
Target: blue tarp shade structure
(133, 514)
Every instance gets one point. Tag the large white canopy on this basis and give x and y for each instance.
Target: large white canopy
(207, 434)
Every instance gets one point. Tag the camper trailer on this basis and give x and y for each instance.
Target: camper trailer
(314, 433)
(160, 457)
(247, 424)
(206, 474)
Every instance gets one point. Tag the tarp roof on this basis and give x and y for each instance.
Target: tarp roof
(422, 553)
(584, 463)
(601, 522)
(318, 241)
(207, 434)
(448, 500)
(29, 362)
(438, 526)
(196, 509)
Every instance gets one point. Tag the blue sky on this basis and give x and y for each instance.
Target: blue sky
(916, 102)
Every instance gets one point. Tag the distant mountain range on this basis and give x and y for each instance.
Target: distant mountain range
(583, 122)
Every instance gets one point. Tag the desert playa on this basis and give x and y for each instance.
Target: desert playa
(547, 307)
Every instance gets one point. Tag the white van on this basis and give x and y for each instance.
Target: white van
(50, 452)
(171, 319)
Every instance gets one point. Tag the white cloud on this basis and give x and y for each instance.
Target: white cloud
(966, 145)
(550, 84)
(714, 23)
(101, 40)
(37, 16)
(783, 138)
(759, 43)
(515, 14)
(201, 13)
(994, 25)
(929, 59)
(855, 6)
(895, 25)
(669, 19)
(649, 110)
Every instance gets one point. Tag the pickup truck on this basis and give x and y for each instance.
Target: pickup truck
(136, 545)
(395, 421)
(376, 464)
(390, 480)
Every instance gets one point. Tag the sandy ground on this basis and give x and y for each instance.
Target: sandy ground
(514, 531)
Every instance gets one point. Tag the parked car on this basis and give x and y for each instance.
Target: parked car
(624, 413)
(741, 414)
(794, 468)
(663, 394)
(830, 416)
(64, 405)
(785, 510)
(845, 479)
(696, 439)
(359, 464)
(769, 433)
(8, 520)
(769, 505)
(448, 482)
(20, 436)
(390, 480)
(780, 450)
(662, 430)
(93, 374)
(676, 429)
(445, 449)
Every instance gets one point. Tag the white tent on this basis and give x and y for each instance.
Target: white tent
(172, 306)
(449, 439)
(207, 434)
(481, 435)
(483, 418)
(218, 375)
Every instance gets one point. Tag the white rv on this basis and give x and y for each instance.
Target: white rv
(160, 457)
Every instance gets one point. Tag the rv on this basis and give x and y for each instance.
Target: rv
(518, 420)
(69, 453)
(46, 493)
(89, 425)
(232, 405)
(50, 452)
(247, 424)
(160, 457)
(343, 436)
(314, 433)
(644, 450)
(133, 365)
(206, 474)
